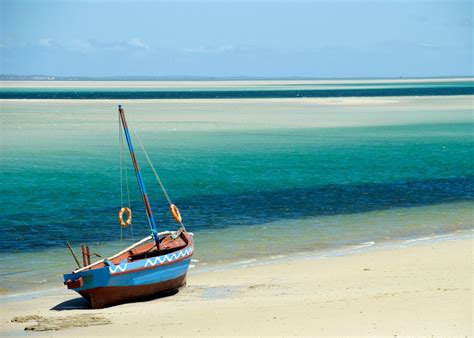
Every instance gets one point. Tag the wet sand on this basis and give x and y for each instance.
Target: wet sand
(419, 290)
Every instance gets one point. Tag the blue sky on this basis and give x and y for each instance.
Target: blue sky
(237, 38)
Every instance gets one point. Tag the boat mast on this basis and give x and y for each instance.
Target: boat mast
(141, 184)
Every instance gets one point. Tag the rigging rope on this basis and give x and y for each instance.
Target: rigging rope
(168, 198)
(123, 169)
(121, 177)
(153, 168)
(122, 159)
(126, 173)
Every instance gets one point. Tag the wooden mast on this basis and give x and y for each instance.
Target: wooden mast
(141, 184)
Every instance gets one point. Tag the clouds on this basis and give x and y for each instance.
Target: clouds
(137, 43)
(134, 44)
(80, 46)
(45, 42)
(238, 38)
(226, 48)
(88, 46)
(428, 45)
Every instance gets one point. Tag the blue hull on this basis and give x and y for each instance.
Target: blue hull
(110, 284)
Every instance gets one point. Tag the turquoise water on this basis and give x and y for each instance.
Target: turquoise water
(244, 192)
(257, 90)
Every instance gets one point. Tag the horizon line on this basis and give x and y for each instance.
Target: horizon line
(42, 77)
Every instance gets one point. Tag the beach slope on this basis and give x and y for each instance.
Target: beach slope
(418, 290)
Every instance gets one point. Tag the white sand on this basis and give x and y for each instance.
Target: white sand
(424, 290)
(223, 114)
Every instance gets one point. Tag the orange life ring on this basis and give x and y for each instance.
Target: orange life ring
(176, 214)
(129, 218)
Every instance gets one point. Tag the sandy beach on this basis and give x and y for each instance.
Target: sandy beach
(418, 290)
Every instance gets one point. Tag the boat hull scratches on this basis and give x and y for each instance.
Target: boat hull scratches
(114, 295)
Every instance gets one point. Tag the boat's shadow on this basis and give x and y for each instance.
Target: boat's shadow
(80, 303)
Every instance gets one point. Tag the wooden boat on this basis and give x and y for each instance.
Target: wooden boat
(156, 264)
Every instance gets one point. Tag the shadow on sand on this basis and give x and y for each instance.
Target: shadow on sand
(80, 303)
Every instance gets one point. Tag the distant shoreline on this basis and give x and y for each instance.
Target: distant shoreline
(43, 77)
(137, 83)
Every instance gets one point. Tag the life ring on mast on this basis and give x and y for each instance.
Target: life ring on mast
(175, 213)
(126, 223)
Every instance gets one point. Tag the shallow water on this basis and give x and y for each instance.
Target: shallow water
(245, 190)
(257, 90)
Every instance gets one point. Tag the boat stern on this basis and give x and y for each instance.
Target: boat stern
(87, 279)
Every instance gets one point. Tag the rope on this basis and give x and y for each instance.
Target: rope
(128, 196)
(123, 169)
(121, 160)
(168, 198)
(153, 168)
(158, 179)
(126, 183)
(121, 172)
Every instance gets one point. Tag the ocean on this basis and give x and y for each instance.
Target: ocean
(255, 90)
(274, 175)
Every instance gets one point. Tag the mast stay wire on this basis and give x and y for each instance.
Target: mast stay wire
(126, 183)
(123, 172)
(167, 196)
(153, 168)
